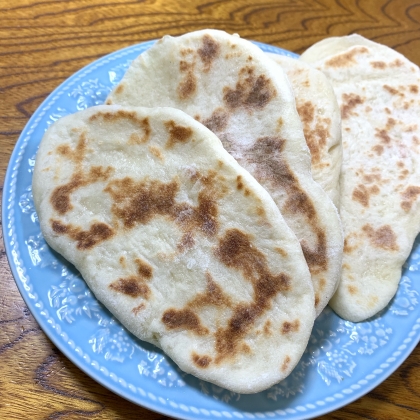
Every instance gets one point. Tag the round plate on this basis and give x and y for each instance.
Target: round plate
(342, 362)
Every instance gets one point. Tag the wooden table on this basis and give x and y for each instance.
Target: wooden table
(42, 42)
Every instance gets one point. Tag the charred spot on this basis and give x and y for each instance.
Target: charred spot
(251, 91)
(218, 120)
(409, 196)
(85, 239)
(289, 327)
(350, 101)
(347, 59)
(177, 133)
(131, 286)
(208, 52)
(384, 237)
(183, 319)
(201, 361)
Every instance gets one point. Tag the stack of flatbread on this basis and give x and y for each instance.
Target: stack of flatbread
(200, 204)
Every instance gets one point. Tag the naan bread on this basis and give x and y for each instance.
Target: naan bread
(320, 115)
(378, 92)
(229, 85)
(178, 241)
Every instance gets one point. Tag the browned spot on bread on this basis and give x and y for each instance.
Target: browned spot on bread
(239, 184)
(187, 242)
(183, 319)
(86, 239)
(138, 308)
(285, 364)
(124, 115)
(177, 133)
(378, 149)
(317, 299)
(347, 59)
(78, 153)
(397, 63)
(322, 283)
(267, 328)
(281, 251)
(404, 174)
(209, 51)
(136, 138)
(266, 153)
(348, 240)
(131, 286)
(213, 295)
(378, 64)
(119, 89)
(289, 327)
(156, 151)
(139, 202)
(236, 251)
(383, 135)
(201, 361)
(392, 90)
(350, 101)
(409, 196)
(60, 197)
(353, 290)
(251, 91)
(384, 237)
(144, 269)
(306, 112)
(122, 261)
(362, 194)
(414, 89)
(188, 85)
(108, 101)
(218, 120)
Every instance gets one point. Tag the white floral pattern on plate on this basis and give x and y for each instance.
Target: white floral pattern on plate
(330, 374)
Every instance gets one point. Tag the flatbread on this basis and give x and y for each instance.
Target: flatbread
(229, 85)
(320, 115)
(378, 92)
(178, 241)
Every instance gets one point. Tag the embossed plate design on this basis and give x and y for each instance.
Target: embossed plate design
(342, 362)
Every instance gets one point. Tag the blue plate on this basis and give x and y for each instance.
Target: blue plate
(342, 362)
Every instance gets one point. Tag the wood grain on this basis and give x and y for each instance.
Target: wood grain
(43, 42)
